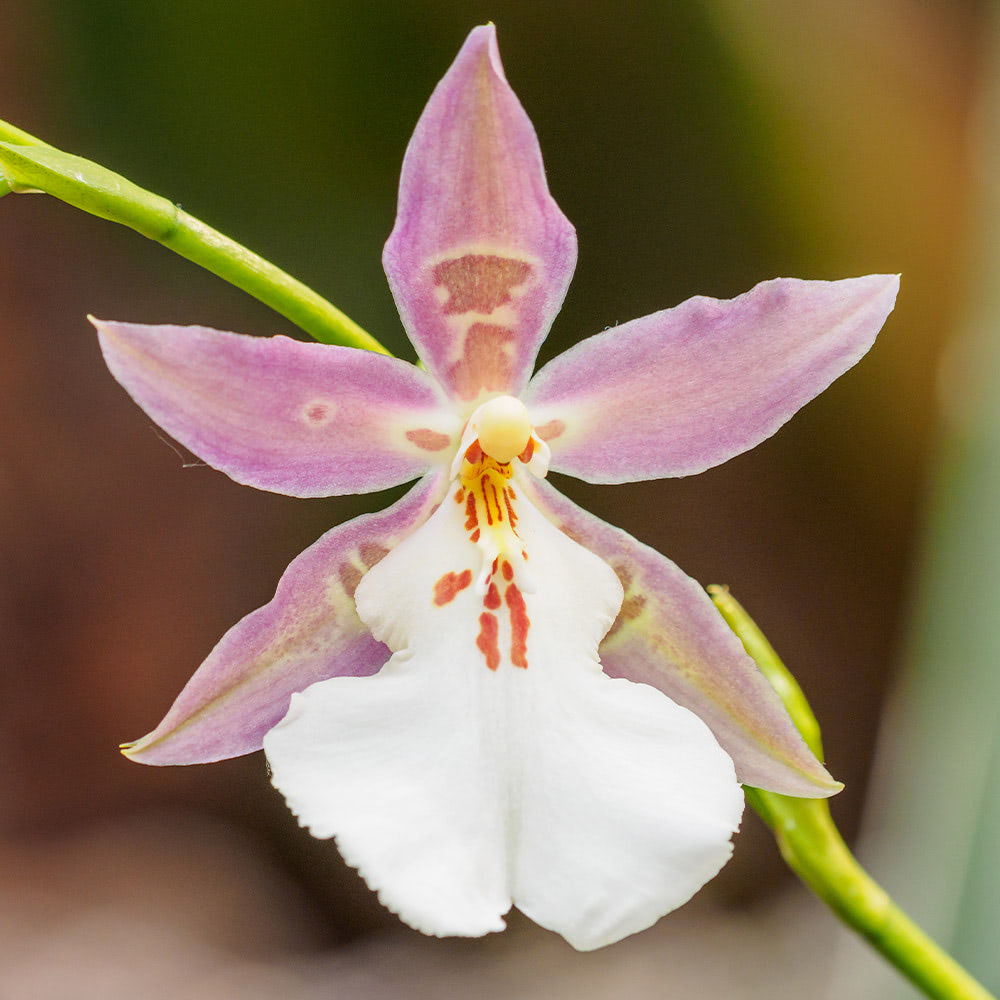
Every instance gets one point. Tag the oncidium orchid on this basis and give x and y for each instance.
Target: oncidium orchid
(487, 695)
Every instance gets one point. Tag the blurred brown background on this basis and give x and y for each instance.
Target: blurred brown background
(699, 146)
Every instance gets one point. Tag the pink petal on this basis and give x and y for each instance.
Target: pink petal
(669, 635)
(278, 414)
(682, 390)
(480, 257)
(310, 631)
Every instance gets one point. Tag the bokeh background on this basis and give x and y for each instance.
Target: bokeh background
(699, 146)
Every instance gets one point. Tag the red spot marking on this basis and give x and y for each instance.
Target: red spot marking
(484, 482)
(511, 493)
(449, 585)
(484, 363)
(479, 282)
(529, 450)
(471, 517)
(550, 430)
(508, 570)
(318, 413)
(486, 641)
(524, 555)
(493, 571)
(510, 510)
(428, 440)
(492, 598)
(474, 536)
(519, 623)
(459, 495)
(474, 453)
(496, 503)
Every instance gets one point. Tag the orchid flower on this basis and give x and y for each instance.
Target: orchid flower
(487, 695)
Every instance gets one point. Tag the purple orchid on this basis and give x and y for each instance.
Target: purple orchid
(426, 682)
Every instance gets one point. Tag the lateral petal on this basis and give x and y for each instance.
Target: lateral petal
(309, 631)
(493, 762)
(669, 635)
(297, 418)
(687, 388)
(480, 256)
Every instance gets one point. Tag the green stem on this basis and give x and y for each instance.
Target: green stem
(28, 164)
(814, 849)
(11, 133)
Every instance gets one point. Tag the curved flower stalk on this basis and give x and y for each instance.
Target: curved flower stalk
(427, 682)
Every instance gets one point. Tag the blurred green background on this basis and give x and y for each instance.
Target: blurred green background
(699, 146)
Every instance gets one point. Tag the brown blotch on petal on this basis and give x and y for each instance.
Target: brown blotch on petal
(428, 440)
(632, 607)
(350, 576)
(624, 574)
(372, 553)
(479, 282)
(550, 430)
(484, 363)
(630, 610)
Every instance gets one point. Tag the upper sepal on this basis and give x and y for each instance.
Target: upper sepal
(480, 256)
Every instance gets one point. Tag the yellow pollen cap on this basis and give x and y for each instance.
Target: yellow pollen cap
(503, 428)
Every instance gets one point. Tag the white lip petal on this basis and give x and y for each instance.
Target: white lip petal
(627, 807)
(491, 764)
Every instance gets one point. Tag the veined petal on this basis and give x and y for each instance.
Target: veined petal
(491, 761)
(480, 256)
(682, 390)
(669, 635)
(282, 415)
(308, 632)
